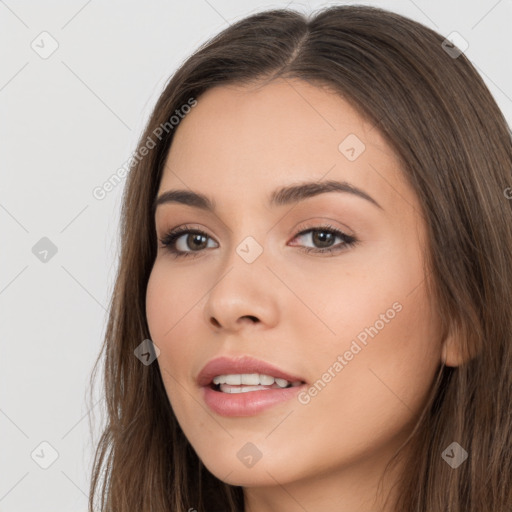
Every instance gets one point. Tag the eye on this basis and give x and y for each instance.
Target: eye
(324, 236)
(195, 237)
(176, 242)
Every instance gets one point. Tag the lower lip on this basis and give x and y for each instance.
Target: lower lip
(247, 404)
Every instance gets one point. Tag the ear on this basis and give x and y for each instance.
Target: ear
(455, 346)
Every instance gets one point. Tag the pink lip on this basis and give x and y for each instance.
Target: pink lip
(244, 404)
(244, 364)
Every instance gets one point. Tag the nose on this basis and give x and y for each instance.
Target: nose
(246, 294)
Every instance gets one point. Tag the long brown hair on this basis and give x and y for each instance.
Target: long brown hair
(456, 152)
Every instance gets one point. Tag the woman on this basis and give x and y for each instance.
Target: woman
(312, 310)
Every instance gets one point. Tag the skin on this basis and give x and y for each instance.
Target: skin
(236, 146)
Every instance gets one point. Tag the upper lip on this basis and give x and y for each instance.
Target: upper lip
(244, 364)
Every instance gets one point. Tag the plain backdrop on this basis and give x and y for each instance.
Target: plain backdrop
(68, 120)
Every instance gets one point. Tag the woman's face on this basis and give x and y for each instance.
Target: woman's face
(355, 325)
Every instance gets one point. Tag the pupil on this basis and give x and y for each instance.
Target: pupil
(322, 238)
(197, 237)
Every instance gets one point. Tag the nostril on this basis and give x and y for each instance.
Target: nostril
(214, 322)
(253, 318)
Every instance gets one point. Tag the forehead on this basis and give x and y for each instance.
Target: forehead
(247, 140)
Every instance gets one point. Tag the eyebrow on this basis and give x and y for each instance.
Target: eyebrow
(280, 197)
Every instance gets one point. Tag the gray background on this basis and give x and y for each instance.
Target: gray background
(68, 122)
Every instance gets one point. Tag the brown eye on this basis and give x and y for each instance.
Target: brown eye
(323, 237)
(180, 245)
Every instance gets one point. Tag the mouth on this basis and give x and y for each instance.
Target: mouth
(244, 386)
(225, 374)
(249, 382)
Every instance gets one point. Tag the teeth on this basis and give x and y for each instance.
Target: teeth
(226, 388)
(251, 379)
(266, 380)
(282, 383)
(242, 389)
(234, 380)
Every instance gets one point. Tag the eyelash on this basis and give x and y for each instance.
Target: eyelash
(169, 240)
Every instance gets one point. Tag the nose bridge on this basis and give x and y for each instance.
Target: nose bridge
(248, 237)
(242, 288)
(246, 259)
(249, 249)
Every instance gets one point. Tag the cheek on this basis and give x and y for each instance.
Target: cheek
(170, 297)
(386, 347)
(368, 400)
(377, 293)
(389, 362)
(171, 301)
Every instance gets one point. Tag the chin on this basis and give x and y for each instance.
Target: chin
(233, 472)
(246, 477)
